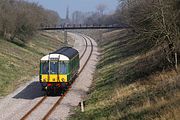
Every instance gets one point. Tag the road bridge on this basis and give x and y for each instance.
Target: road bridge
(67, 27)
(79, 27)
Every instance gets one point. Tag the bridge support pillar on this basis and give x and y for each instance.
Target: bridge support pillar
(65, 38)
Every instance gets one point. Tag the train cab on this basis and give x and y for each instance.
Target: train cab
(59, 68)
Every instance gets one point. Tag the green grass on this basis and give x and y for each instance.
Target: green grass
(132, 82)
(19, 63)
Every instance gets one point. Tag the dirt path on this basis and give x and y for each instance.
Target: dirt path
(16, 104)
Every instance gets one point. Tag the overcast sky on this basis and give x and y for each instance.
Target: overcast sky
(81, 5)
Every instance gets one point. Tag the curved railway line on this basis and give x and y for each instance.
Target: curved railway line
(61, 97)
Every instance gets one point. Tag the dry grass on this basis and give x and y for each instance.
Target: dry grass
(135, 84)
(19, 63)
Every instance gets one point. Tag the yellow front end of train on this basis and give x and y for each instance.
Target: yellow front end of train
(59, 69)
(53, 78)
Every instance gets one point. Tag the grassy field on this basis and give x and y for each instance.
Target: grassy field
(18, 63)
(131, 82)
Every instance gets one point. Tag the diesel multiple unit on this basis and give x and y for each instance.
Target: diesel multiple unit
(59, 69)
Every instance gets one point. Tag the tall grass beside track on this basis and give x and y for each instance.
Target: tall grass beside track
(18, 63)
(132, 82)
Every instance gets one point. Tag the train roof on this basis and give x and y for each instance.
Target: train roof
(64, 53)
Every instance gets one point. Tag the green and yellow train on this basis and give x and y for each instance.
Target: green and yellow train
(59, 69)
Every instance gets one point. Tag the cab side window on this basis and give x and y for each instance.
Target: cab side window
(63, 67)
(45, 68)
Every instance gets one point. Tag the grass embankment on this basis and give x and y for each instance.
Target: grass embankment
(19, 63)
(131, 82)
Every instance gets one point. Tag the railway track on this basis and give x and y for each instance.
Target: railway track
(61, 97)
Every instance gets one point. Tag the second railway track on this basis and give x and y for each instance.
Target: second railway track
(61, 97)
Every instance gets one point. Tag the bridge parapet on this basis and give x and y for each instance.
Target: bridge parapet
(82, 26)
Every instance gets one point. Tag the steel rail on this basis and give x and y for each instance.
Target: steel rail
(61, 98)
(85, 48)
(32, 109)
(45, 97)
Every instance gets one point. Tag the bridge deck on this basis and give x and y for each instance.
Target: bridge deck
(83, 27)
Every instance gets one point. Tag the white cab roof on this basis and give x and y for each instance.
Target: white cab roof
(55, 56)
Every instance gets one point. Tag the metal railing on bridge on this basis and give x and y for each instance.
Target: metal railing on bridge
(80, 26)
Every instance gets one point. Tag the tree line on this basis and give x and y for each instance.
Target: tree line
(157, 21)
(98, 17)
(20, 19)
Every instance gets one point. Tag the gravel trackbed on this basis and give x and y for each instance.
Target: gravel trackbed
(16, 104)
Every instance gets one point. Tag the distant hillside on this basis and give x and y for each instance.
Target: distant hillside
(133, 81)
(19, 63)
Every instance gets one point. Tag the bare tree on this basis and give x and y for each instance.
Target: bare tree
(101, 8)
(156, 21)
(78, 17)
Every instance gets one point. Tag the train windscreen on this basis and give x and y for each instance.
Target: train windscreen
(53, 68)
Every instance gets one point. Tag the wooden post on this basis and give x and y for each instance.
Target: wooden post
(82, 106)
(176, 61)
